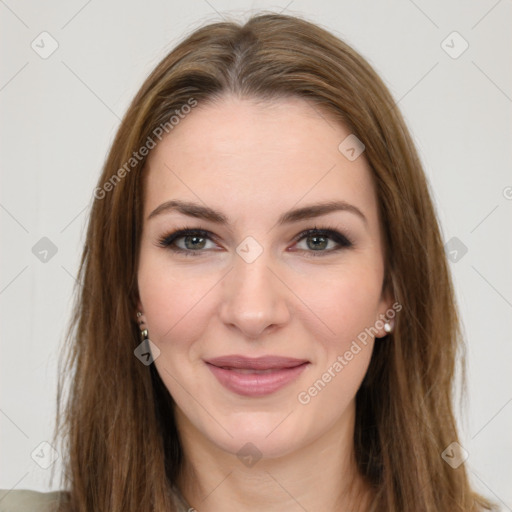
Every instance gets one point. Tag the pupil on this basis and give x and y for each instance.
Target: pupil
(322, 244)
(194, 244)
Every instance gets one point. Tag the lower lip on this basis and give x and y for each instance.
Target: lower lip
(256, 384)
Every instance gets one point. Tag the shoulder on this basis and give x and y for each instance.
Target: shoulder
(18, 500)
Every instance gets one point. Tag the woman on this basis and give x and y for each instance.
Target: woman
(266, 320)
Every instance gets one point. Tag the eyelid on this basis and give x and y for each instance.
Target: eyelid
(331, 232)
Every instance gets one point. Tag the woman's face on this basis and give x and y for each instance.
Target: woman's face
(260, 328)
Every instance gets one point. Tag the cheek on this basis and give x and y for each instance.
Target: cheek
(349, 306)
(346, 302)
(177, 307)
(173, 302)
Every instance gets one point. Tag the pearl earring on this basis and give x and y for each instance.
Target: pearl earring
(387, 327)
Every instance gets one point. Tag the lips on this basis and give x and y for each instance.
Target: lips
(255, 376)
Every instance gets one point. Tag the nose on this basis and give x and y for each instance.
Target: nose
(254, 298)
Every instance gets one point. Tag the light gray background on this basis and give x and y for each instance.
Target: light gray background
(59, 116)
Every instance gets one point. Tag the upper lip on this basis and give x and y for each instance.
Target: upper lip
(255, 363)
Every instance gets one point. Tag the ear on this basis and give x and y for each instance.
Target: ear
(386, 314)
(139, 314)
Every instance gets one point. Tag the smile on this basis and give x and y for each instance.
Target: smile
(256, 377)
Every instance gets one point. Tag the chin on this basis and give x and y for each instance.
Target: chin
(267, 435)
(260, 445)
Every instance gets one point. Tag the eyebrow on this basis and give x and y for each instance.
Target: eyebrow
(307, 212)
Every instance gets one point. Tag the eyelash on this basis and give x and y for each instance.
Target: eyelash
(169, 239)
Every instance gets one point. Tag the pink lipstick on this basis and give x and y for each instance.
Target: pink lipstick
(255, 376)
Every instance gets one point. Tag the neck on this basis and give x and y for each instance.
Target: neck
(322, 475)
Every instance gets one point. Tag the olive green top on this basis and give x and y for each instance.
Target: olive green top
(21, 500)
(28, 501)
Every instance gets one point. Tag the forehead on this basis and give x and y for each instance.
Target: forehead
(244, 157)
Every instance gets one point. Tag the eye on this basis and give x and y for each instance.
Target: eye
(187, 241)
(194, 241)
(322, 241)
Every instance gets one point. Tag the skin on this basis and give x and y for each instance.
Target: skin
(253, 162)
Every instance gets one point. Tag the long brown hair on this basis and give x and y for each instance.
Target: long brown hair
(122, 445)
